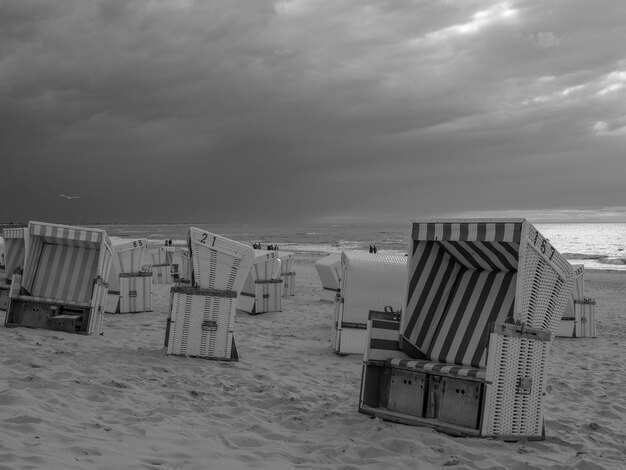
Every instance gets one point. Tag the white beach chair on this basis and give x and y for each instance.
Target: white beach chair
(287, 273)
(262, 291)
(162, 264)
(15, 241)
(329, 271)
(182, 261)
(579, 318)
(369, 281)
(202, 317)
(64, 281)
(469, 354)
(129, 285)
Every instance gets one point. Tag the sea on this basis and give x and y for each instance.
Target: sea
(594, 245)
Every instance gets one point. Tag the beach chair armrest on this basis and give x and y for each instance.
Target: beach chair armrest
(383, 335)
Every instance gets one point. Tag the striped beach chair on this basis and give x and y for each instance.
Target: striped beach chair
(64, 281)
(202, 316)
(130, 284)
(469, 354)
(369, 281)
(287, 274)
(263, 289)
(329, 271)
(15, 241)
(579, 318)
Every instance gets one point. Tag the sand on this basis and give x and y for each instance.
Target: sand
(118, 401)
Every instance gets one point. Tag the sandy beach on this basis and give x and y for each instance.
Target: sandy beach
(118, 401)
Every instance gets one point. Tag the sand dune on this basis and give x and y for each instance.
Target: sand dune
(118, 401)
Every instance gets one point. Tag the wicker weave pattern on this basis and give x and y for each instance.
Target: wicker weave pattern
(508, 411)
(546, 283)
(201, 326)
(219, 263)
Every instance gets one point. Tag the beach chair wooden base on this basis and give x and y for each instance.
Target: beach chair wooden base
(33, 313)
(503, 401)
(201, 323)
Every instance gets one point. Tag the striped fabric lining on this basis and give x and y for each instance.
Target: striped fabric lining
(431, 279)
(462, 277)
(428, 366)
(14, 251)
(490, 256)
(479, 299)
(468, 231)
(65, 272)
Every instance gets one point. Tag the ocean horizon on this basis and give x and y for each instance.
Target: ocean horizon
(594, 245)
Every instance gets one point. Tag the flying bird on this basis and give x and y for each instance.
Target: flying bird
(69, 197)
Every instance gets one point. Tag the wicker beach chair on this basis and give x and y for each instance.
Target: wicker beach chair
(368, 282)
(202, 317)
(129, 284)
(579, 318)
(262, 291)
(468, 356)
(15, 241)
(182, 261)
(287, 274)
(329, 271)
(64, 281)
(162, 264)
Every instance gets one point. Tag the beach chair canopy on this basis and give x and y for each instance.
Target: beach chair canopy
(466, 275)
(62, 261)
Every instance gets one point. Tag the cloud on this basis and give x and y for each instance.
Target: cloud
(316, 109)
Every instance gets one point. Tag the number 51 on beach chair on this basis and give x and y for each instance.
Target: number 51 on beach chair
(469, 354)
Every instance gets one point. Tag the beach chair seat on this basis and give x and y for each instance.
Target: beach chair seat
(329, 271)
(65, 275)
(368, 282)
(263, 290)
(202, 315)
(468, 356)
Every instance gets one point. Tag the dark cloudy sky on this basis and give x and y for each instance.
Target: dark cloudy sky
(312, 110)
